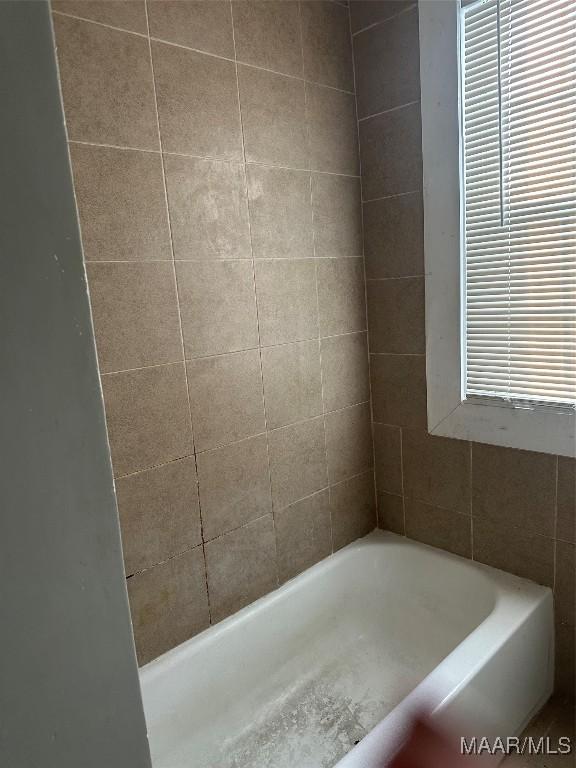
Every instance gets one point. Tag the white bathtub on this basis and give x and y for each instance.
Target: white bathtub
(344, 651)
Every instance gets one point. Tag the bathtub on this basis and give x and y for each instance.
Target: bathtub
(326, 669)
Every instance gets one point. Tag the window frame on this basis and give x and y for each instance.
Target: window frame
(523, 425)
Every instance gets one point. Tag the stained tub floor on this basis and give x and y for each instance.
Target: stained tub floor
(557, 718)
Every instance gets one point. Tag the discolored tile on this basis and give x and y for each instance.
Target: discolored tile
(514, 550)
(217, 306)
(436, 470)
(121, 203)
(226, 398)
(159, 514)
(125, 14)
(566, 522)
(107, 88)
(326, 44)
(195, 24)
(297, 461)
(273, 118)
(387, 58)
(337, 215)
(332, 130)
(388, 458)
(268, 34)
(287, 302)
(518, 484)
(280, 212)
(440, 528)
(234, 485)
(565, 583)
(197, 103)
(208, 208)
(394, 236)
(303, 534)
(391, 152)
(241, 567)
(391, 513)
(353, 509)
(168, 604)
(147, 417)
(341, 296)
(364, 13)
(399, 389)
(349, 442)
(345, 370)
(396, 315)
(292, 382)
(135, 314)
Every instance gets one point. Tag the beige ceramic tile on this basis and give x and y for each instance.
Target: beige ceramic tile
(267, 34)
(226, 398)
(292, 382)
(159, 514)
(303, 534)
(349, 442)
(326, 44)
(565, 583)
(208, 208)
(337, 215)
(332, 129)
(107, 87)
(391, 513)
(147, 417)
(217, 306)
(206, 26)
(168, 604)
(234, 485)
(399, 389)
(394, 236)
(440, 528)
(341, 296)
(345, 370)
(566, 523)
(125, 14)
(396, 315)
(353, 509)
(241, 567)
(388, 458)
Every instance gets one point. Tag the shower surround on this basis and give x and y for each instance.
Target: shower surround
(214, 151)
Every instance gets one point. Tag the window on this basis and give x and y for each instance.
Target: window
(499, 151)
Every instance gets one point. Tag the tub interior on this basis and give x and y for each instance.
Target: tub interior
(300, 676)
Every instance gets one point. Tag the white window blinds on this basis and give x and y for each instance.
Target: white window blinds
(518, 96)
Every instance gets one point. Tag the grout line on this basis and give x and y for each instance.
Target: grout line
(402, 478)
(390, 197)
(383, 21)
(387, 111)
(162, 562)
(394, 277)
(190, 418)
(555, 526)
(470, 491)
(246, 260)
(399, 354)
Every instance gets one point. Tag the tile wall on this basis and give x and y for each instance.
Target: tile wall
(215, 158)
(511, 509)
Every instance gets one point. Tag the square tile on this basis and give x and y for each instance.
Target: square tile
(349, 442)
(394, 236)
(208, 208)
(195, 24)
(287, 300)
(333, 130)
(234, 485)
(303, 534)
(387, 58)
(436, 470)
(125, 14)
(439, 528)
(280, 212)
(197, 103)
(391, 152)
(398, 385)
(217, 306)
(121, 203)
(391, 513)
(566, 522)
(396, 315)
(565, 583)
(326, 44)
(107, 88)
(517, 484)
(147, 417)
(135, 314)
(159, 514)
(337, 215)
(273, 118)
(268, 34)
(241, 567)
(388, 458)
(353, 509)
(341, 296)
(292, 383)
(514, 550)
(168, 604)
(345, 370)
(226, 398)
(297, 461)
